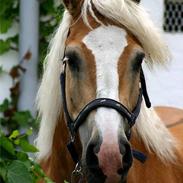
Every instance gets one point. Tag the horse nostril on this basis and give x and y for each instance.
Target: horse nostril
(124, 146)
(120, 171)
(91, 158)
(127, 159)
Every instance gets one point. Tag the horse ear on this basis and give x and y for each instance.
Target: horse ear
(73, 6)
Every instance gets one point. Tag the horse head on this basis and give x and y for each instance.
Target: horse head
(102, 64)
(102, 61)
(105, 43)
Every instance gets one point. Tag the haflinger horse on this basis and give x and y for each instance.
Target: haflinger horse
(93, 95)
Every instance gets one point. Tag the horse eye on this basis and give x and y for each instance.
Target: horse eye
(73, 60)
(140, 56)
(137, 61)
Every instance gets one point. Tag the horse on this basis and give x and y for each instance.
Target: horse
(93, 95)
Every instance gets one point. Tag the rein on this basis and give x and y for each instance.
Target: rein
(73, 125)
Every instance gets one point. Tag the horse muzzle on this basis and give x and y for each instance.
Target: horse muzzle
(108, 163)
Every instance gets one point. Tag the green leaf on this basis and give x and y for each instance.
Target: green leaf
(5, 6)
(29, 132)
(3, 171)
(1, 70)
(5, 24)
(65, 181)
(4, 46)
(22, 156)
(8, 14)
(22, 117)
(48, 180)
(14, 134)
(5, 105)
(5, 155)
(17, 141)
(37, 168)
(18, 173)
(47, 7)
(27, 147)
(7, 145)
(28, 164)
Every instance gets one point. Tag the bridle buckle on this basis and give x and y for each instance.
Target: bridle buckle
(64, 61)
(78, 170)
(77, 173)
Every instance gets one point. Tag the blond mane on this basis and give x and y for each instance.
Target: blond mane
(135, 19)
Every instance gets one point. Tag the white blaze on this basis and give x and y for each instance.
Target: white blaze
(107, 44)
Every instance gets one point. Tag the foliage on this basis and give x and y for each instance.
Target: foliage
(50, 16)
(1, 70)
(8, 14)
(16, 166)
(9, 43)
(10, 117)
(4, 46)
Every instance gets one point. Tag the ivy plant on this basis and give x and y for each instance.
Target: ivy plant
(16, 165)
(50, 16)
(15, 150)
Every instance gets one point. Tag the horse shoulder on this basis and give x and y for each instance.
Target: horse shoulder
(162, 172)
(173, 119)
(170, 115)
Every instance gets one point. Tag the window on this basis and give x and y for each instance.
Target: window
(173, 16)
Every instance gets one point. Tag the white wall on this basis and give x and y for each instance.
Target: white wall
(165, 86)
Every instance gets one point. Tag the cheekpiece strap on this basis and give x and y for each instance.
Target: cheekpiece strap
(144, 89)
(66, 112)
(72, 150)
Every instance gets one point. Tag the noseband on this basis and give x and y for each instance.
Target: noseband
(73, 125)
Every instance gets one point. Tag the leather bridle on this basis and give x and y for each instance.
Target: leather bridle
(73, 125)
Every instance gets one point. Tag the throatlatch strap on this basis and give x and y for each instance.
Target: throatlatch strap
(72, 150)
